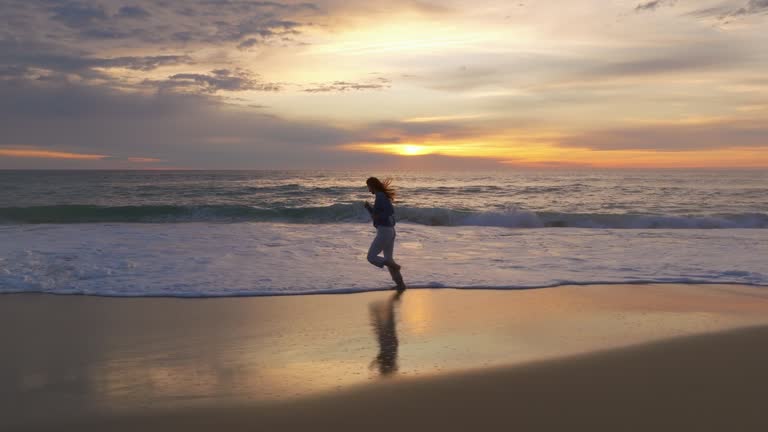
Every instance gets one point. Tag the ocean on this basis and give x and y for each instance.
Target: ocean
(237, 233)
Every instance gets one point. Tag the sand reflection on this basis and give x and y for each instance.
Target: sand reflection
(383, 322)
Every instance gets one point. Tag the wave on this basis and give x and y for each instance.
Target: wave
(107, 292)
(341, 213)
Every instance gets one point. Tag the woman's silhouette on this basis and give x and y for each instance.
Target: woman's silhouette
(383, 215)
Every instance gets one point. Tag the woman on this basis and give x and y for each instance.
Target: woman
(383, 215)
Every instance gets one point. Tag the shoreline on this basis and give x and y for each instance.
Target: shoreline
(390, 289)
(79, 358)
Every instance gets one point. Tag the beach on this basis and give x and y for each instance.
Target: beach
(628, 357)
(417, 215)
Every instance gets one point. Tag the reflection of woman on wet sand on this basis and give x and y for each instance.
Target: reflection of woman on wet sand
(383, 323)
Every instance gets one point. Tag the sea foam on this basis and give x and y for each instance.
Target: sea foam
(242, 259)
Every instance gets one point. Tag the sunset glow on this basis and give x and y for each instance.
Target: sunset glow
(46, 154)
(336, 84)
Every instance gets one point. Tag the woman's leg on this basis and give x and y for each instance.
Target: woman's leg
(377, 245)
(389, 251)
(392, 266)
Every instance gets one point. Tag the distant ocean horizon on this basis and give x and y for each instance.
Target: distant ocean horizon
(520, 199)
(226, 233)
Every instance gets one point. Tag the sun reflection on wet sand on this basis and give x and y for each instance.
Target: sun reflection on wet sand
(416, 314)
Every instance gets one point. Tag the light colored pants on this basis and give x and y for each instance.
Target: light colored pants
(384, 241)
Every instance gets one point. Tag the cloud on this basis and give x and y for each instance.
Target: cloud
(144, 160)
(752, 7)
(193, 130)
(49, 61)
(133, 12)
(172, 126)
(92, 28)
(248, 32)
(77, 14)
(147, 63)
(215, 81)
(159, 22)
(47, 154)
(652, 5)
(283, 31)
(730, 10)
(343, 86)
(674, 60)
(672, 138)
(245, 6)
(29, 99)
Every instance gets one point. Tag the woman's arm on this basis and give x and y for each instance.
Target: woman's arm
(380, 205)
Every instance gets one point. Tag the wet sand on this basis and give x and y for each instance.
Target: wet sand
(703, 383)
(616, 357)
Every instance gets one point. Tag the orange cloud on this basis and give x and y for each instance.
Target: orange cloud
(144, 160)
(48, 154)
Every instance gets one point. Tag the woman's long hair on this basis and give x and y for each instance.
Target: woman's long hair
(382, 186)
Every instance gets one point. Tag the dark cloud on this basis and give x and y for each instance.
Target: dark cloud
(203, 21)
(13, 71)
(726, 13)
(249, 43)
(147, 63)
(234, 31)
(191, 130)
(671, 138)
(157, 22)
(651, 5)
(25, 99)
(752, 7)
(44, 60)
(77, 14)
(110, 33)
(265, 36)
(216, 80)
(134, 12)
(276, 30)
(343, 86)
(245, 6)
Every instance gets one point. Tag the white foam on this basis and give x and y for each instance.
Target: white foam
(201, 259)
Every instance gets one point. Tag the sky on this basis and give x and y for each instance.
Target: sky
(416, 84)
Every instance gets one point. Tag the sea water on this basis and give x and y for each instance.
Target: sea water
(229, 233)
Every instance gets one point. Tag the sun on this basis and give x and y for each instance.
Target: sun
(413, 150)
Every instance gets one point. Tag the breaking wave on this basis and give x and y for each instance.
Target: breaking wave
(354, 213)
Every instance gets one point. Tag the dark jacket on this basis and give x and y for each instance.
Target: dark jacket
(383, 212)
